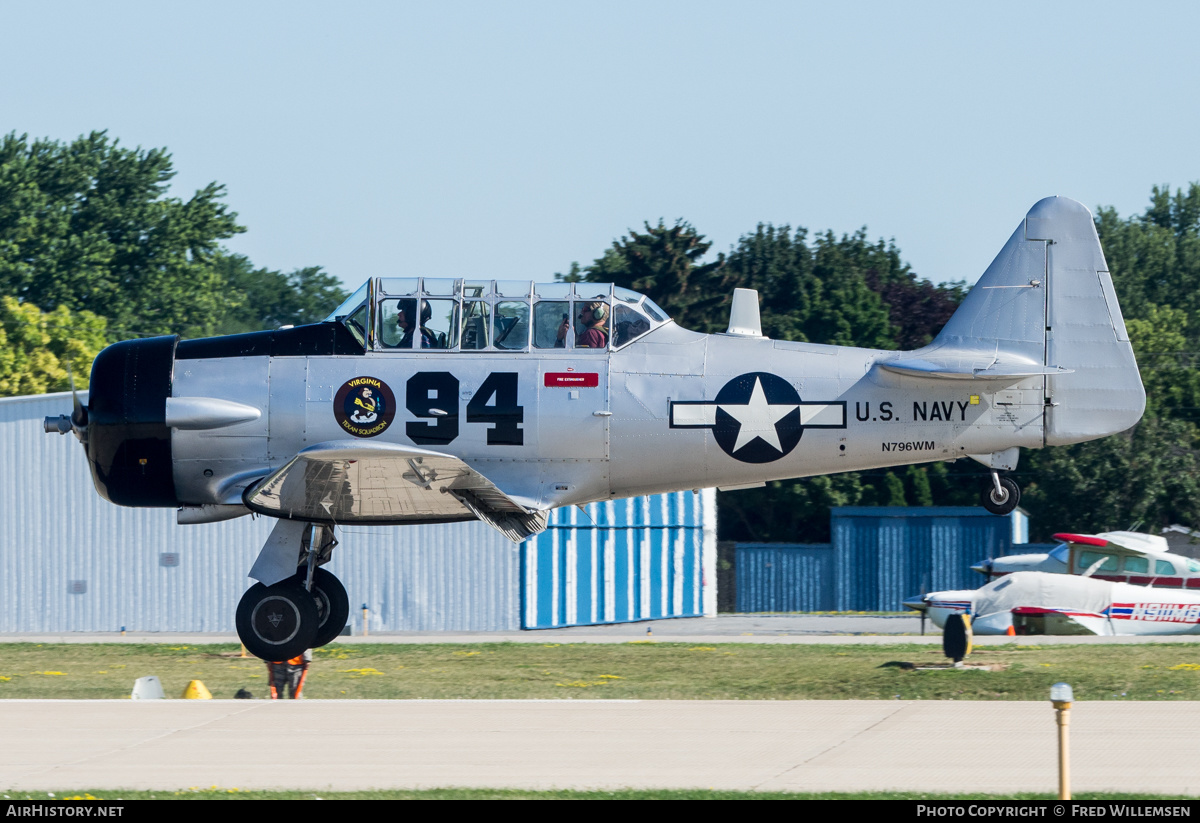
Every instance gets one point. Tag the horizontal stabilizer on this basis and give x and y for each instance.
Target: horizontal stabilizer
(947, 368)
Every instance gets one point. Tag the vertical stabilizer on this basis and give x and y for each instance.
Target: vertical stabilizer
(1048, 300)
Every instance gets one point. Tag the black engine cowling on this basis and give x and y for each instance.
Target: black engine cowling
(128, 441)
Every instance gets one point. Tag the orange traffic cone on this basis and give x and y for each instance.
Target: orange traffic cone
(1012, 632)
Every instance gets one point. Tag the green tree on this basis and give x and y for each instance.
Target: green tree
(816, 293)
(39, 350)
(1148, 477)
(87, 225)
(664, 263)
(267, 299)
(574, 275)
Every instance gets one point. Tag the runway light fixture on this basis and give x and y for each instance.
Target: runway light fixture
(1061, 698)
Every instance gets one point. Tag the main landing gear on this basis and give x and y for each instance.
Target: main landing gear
(1002, 495)
(304, 611)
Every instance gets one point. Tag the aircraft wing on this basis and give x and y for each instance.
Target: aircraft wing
(383, 484)
(1067, 621)
(1140, 548)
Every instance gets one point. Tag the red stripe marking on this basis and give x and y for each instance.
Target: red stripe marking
(1063, 612)
(585, 380)
(1085, 539)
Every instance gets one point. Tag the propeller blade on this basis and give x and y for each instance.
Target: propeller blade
(79, 412)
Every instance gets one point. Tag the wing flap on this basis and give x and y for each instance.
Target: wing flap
(386, 484)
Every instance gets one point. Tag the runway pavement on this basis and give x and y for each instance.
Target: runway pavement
(930, 746)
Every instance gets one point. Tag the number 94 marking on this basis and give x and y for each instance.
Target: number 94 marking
(433, 396)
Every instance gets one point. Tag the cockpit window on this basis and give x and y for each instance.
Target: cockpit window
(357, 324)
(1135, 564)
(654, 311)
(398, 285)
(475, 324)
(628, 325)
(349, 304)
(403, 326)
(1060, 552)
(511, 329)
(473, 314)
(1089, 559)
(548, 316)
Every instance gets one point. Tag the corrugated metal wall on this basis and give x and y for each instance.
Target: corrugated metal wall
(888, 553)
(775, 577)
(879, 557)
(637, 559)
(71, 561)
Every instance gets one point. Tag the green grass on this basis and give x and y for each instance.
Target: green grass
(637, 670)
(216, 793)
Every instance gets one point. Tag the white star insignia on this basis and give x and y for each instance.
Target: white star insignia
(757, 418)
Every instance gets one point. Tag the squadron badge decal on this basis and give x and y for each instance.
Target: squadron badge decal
(757, 417)
(364, 406)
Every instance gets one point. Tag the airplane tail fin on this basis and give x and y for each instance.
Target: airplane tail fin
(1045, 309)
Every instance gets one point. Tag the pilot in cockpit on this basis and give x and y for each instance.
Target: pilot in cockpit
(593, 316)
(405, 313)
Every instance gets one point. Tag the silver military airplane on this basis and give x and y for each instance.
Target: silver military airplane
(426, 400)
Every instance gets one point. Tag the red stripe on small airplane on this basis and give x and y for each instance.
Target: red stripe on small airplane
(585, 380)
(1085, 539)
(1063, 612)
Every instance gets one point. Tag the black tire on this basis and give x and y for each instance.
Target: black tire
(956, 637)
(333, 606)
(1001, 505)
(277, 622)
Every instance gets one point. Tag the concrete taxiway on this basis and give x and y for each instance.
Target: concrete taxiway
(923, 746)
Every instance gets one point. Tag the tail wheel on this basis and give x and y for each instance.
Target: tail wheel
(277, 622)
(1001, 503)
(333, 606)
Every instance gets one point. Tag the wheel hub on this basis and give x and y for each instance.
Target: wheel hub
(276, 620)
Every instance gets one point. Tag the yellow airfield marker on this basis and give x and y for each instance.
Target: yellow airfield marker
(196, 690)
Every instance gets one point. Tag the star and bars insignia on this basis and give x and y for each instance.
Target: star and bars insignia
(757, 417)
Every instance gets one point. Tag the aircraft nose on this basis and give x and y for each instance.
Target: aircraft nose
(917, 604)
(984, 567)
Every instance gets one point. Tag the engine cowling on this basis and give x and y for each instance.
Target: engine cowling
(128, 440)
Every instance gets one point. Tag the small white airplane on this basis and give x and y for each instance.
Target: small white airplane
(1033, 603)
(432, 400)
(1120, 557)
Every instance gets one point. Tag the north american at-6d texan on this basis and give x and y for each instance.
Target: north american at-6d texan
(430, 400)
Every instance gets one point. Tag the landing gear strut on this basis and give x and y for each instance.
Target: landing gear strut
(304, 611)
(1002, 495)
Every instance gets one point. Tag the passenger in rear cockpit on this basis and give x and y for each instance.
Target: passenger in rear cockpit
(593, 316)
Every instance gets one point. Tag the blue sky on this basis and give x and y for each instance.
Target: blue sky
(508, 139)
